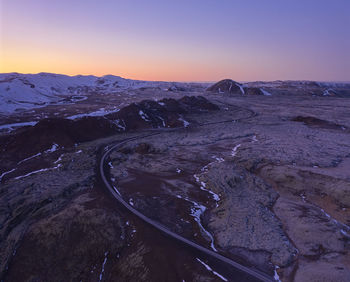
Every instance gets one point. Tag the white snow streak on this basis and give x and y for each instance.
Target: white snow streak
(196, 211)
(143, 116)
(52, 149)
(13, 126)
(29, 158)
(185, 122)
(115, 188)
(7, 172)
(276, 276)
(234, 150)
(103, 266)
(265, 92)
(211, 270)
(254, 139)
(98, 113)
(119, 125)
(37, 171)
(241, 87)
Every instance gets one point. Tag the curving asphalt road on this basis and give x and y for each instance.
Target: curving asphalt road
(102, 165)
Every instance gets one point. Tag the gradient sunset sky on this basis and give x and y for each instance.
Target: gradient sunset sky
(183, 40)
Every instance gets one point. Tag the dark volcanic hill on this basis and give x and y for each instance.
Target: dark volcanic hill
(169, 113)
(227, 86)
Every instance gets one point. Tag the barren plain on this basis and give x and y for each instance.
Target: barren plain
(261, 177)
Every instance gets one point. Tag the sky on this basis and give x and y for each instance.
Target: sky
(182, 40)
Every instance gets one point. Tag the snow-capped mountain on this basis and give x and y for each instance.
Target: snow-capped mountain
(26, 91)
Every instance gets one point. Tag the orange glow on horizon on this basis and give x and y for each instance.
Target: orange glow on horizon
(144, 41)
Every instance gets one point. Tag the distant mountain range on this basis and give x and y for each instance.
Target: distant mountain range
(27, 91)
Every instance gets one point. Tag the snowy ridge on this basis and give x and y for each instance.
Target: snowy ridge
(27, 91)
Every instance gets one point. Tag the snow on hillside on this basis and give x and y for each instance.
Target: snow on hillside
(295, 84)
(26, 91)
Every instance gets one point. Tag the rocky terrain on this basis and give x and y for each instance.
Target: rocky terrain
(258, 172)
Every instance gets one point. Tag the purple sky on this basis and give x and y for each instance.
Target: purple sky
(178, 40)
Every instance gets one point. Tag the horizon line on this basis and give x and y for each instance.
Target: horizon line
(179, 81)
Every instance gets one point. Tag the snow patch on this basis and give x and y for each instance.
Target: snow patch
(241, 88)
(185, 122)
(115, 188)
(211, 270)
(202, 186)
(265, 92)
(234, 150)
(98, 113)
(254, 139)
(103, 266)
(6, 172)
(37, 171)
(52, 149)
(196, 211)
(163, 121)
(119, 125)
(276, 276)
(143, 116)
(13, 126)
(29, 158)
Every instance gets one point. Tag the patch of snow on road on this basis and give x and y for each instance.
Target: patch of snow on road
(103, 266)
(211, 270)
